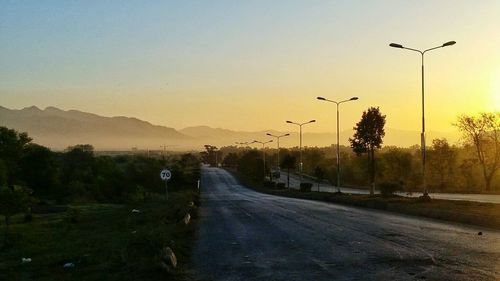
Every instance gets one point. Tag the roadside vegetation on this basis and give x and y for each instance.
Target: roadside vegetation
(74, 215)
(471, 167)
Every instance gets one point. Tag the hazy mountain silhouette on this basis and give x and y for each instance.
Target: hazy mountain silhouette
(394, 137)
(229, 137)
(58, 129)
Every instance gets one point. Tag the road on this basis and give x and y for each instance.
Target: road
(246, 235)
(295, 184)
(486, 198)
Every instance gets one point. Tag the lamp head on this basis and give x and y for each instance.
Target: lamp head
(321, 98)
(394, 45)
(286, 135)
(312, 121)
(449, 43)
(354, 98)
(289, 121)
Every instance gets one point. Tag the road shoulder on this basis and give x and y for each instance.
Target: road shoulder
(466, 212)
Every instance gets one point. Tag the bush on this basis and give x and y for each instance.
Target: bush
(388, 188)
(376, 203)
(305, 186)
(73, 215)
(28, 217)
(268, 184)
(280, 185)
(137, 195)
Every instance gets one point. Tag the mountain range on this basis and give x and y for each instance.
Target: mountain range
(58, 129)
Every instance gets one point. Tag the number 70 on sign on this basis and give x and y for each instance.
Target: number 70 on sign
(165, 175)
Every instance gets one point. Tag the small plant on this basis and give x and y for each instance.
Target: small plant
(28, 217)
(12, 201)
(388, 188)
(137, 195)
(268, 184)
(305, 186)
(280, 185)
(73, 215)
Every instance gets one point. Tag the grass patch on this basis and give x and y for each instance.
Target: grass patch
(105, 241)
(474, 213)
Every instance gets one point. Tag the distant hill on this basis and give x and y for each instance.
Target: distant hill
(394, 137)
(58, 129)
(218, 136)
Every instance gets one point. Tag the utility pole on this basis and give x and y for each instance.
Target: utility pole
(164, 153)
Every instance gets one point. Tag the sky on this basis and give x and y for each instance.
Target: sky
(251, 65)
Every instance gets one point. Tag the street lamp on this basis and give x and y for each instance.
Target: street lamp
(300, 142)
(241, 143)
(263, 153)
(278, 140)
(338, 134)
(422, 135)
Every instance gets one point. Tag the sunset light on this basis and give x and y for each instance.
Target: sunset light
(249, 140)
(495, 92)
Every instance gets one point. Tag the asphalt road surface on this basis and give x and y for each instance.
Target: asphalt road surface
(245, 235)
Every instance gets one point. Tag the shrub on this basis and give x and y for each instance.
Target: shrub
(28, 217)
(268, 184)
(73, 215)
(377, 203)
(280, 185)
(137, 195)
(388, 188)
(305, 186)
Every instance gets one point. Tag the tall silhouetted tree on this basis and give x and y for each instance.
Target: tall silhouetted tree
(38, 168)
(209, 156)
(442, 160)
(12, 201)
(483, 132)
(77, 164)
(12, 145)
(251, 165)
(368, 137)
(396, 165)
(231, 160)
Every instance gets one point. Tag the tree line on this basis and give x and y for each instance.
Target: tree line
(33, 173)
(78, 174)
(471, 166)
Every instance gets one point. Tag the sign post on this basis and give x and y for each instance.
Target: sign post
(166, 175)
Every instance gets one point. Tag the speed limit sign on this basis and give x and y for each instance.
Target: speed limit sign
(165, 175)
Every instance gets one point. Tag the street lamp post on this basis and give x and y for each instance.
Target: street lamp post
(263, 153)
(164, 151)
(422, 135)
(338, 134)
(278, 141)
(300, 142)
